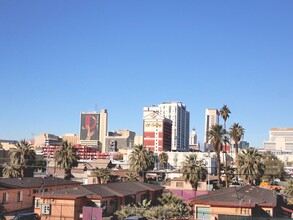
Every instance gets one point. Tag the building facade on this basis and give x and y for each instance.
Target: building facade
(157, 132)
(193, 144)
(119, 140)
(45, 139)
(281, 139)
(180, 117)
(211, 118)
(94, 128)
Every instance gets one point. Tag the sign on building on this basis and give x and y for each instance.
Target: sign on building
(89, 126)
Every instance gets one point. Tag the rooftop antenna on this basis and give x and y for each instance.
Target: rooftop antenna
(96, 108)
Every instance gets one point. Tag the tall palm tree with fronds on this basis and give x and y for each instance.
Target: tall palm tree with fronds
(141, 160)
(66, 158)
(236, 133)
(225, 114)
(250, 166)
(10, 171)
(163, 158)
(216, 136)
(193, 170)
(23, 157)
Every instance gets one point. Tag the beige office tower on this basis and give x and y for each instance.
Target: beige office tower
(103, 129)
(93, 129)
(211, 118)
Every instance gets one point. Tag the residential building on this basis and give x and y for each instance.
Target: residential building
(157, 132)
(74, 203)
(183, 189)
(94, 128)
(180, 117)
(18, 193)
(245, 202)
(211, 118)
(119, 140)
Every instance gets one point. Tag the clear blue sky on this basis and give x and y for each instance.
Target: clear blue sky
(59, 58)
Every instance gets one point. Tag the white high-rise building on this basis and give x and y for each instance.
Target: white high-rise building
(177, 113)
(281, 139)
(193, 137)
(211, 118)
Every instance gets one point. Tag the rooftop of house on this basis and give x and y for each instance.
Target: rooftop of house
(34, 182)
(119, 189)
(244, 196)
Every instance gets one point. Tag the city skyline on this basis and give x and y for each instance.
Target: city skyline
(60, 58)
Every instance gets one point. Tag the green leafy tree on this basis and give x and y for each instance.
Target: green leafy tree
(216, 135)
(10, 171)
(170, 207)
(163, 158)
(23, 156)
(274, 168)
(193, 170)
(250, 166)
(103, 174)
(141, 160)
(66, 158)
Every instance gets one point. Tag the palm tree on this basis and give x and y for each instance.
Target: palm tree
(66, 158)
(193, 170)
(132, 176)
(141, 160)
(216, 135)
(225, 114)
(236, 133)
(163, 158)
(103, 174)
(23, 157)
(289, 191)
(169, 198)
(10, 170)
(250, 166)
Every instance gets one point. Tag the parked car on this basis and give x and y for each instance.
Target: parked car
(27, 216)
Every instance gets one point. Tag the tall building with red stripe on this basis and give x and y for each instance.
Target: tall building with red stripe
(179, 116)
(157, 132)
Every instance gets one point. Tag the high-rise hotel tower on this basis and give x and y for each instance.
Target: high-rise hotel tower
(177, 113)
(211, 118)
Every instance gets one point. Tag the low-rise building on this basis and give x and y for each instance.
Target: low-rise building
(72, 203)
(245, 201)
(18, 193)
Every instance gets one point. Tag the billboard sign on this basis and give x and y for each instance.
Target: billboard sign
(89, 126)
